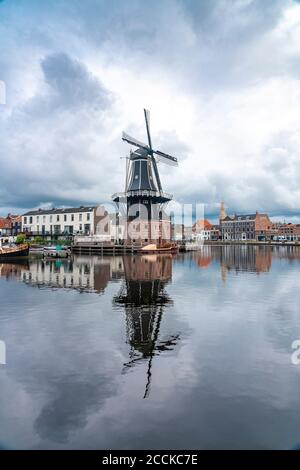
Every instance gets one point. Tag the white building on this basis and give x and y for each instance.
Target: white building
(82, 220)
(203, 235)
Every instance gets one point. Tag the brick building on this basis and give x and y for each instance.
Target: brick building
(246, 227)
(290, 232)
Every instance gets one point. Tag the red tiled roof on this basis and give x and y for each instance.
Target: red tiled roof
(5, 223)
(203, 225)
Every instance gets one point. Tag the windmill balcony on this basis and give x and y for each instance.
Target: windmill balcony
(142, 193)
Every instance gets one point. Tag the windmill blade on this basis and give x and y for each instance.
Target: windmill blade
(133, 141)
(165, 158)
(147, 119)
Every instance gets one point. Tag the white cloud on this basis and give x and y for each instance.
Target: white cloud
(221, 80)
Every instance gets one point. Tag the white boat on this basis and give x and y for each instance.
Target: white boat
(56, 251)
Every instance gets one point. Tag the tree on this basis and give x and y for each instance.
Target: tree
(20, 238)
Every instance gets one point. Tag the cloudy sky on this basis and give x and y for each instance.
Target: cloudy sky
(221, 78)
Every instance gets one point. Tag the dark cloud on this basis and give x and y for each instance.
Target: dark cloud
(72, 86)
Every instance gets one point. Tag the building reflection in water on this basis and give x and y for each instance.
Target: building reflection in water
(14, 270)
(142, 295)
(144, 299)
(257, 259)
(93, 273)
(86, 274)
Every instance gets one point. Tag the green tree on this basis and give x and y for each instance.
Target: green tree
(20, 239)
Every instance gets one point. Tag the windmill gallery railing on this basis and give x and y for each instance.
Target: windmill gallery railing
(141, 193)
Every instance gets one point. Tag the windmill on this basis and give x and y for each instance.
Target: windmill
(143, 189)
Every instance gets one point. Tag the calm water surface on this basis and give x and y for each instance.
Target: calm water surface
(191, 351)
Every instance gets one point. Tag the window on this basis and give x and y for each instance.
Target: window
(80, 217)
(44, 218)
(25, 220)
(88, 216)
(50, 218)
(30, 220)
(72, 217)
(80, 227)
(65, 218)
(57, 218)
(37, 218)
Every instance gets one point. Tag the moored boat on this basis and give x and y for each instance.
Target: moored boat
(14, 251)
(56, 251)
(159, 248)
(36, 249)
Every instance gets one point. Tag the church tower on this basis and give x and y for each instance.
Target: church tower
(222, 214)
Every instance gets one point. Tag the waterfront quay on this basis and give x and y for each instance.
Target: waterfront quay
(99, 248)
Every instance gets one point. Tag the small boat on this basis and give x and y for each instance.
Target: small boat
(56, 251)
(36, 249)
(159, 248)
(13, 251)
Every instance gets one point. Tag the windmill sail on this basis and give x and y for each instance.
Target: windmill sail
(133, 141)
(165, 158)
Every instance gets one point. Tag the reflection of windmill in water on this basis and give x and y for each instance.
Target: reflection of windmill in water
(144, 298)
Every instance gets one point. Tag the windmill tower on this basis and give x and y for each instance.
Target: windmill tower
(144, 199)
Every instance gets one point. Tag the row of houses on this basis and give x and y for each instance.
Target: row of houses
(90, 221)
(243, 227)
(257, 227)
(95, 220)
(65, 221)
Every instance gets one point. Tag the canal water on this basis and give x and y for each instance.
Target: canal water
(153, 352)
